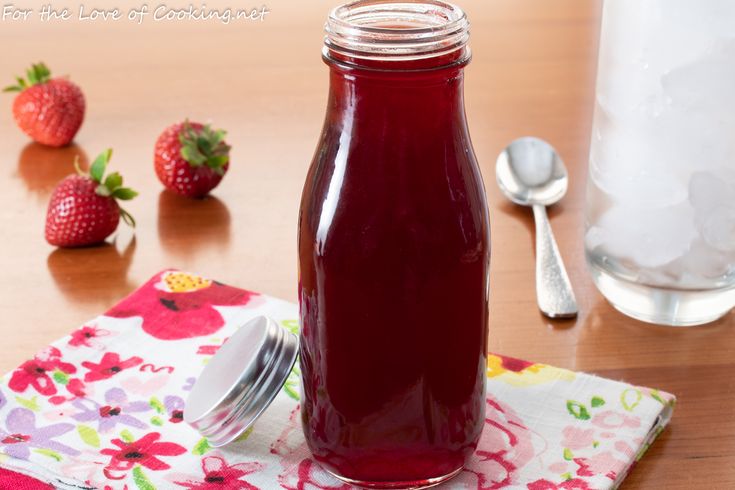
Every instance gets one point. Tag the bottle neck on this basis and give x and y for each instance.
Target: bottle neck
(410, 99)
(397, 36)
(396, 68)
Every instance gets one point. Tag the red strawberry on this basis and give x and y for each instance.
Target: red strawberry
(83, 208)
(191, 158)
(48, 110)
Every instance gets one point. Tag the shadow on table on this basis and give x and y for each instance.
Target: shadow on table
(42, 167)
(93, 274)
(188, 226)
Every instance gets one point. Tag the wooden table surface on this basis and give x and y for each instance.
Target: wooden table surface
(533, 73)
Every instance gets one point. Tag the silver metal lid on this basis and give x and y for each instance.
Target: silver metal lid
(241, 380)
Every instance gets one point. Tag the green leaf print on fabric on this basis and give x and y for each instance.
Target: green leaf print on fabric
(597, 401)
(630, 398)
(89, 435)
(568, 454)
(656, 395)
(245, 434)
(292, 383)
(126, 436)
(291, 325)
(578, 410)
(157, 405)
(290, 387)
(49, 453)
(30, 404)
(202, 447)
(142, 481)
(156, 421)
(61, 377)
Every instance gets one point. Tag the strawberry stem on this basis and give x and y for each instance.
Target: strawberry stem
(127, 218)
(112, 185)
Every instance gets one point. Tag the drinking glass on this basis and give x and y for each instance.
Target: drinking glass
(660, 218)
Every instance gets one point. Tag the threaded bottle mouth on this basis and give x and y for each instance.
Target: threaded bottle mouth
(383, 30)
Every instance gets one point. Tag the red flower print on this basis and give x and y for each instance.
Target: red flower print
(109, 366)
(16, 438)
(603, 463)
(218, 475)
(176, 305)
(85, 336)
(571, 484)
(505, 447)
(143, 452)
(210, 350)
(513, 364)
(35, 372)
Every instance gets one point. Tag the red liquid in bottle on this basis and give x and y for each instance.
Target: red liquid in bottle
(394, 258)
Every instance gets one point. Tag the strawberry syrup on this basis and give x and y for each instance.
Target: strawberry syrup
(394, 263)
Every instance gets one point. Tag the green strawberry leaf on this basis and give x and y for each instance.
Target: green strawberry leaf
(89, 435)
(124, 193)
(217, 161)
(37, 73)
(97, 170)
(191, 154)
(204, 146)
(113, 181)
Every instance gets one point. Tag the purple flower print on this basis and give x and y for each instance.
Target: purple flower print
(3, 400)
(175, 408)
(116, 410)
(21, 434)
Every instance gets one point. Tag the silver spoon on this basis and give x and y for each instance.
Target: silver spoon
(530, 173)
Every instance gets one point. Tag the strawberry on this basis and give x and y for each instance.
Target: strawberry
(191, 158)
(48, 110)
(83, 208)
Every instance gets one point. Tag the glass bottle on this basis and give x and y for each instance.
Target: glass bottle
(394, 248)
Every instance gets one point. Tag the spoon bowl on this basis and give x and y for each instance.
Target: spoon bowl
(529, 171)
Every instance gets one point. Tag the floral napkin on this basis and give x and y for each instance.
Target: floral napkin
(102, 408)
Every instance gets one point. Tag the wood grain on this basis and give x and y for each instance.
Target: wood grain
(532, 73)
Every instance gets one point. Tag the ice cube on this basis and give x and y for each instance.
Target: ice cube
(713, 200)
(651, 237)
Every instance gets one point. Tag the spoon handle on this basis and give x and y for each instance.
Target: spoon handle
(553, 288)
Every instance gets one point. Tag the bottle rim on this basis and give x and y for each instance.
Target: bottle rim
(385, 30)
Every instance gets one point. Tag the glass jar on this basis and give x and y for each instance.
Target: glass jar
(660, 227)
(394, 252)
